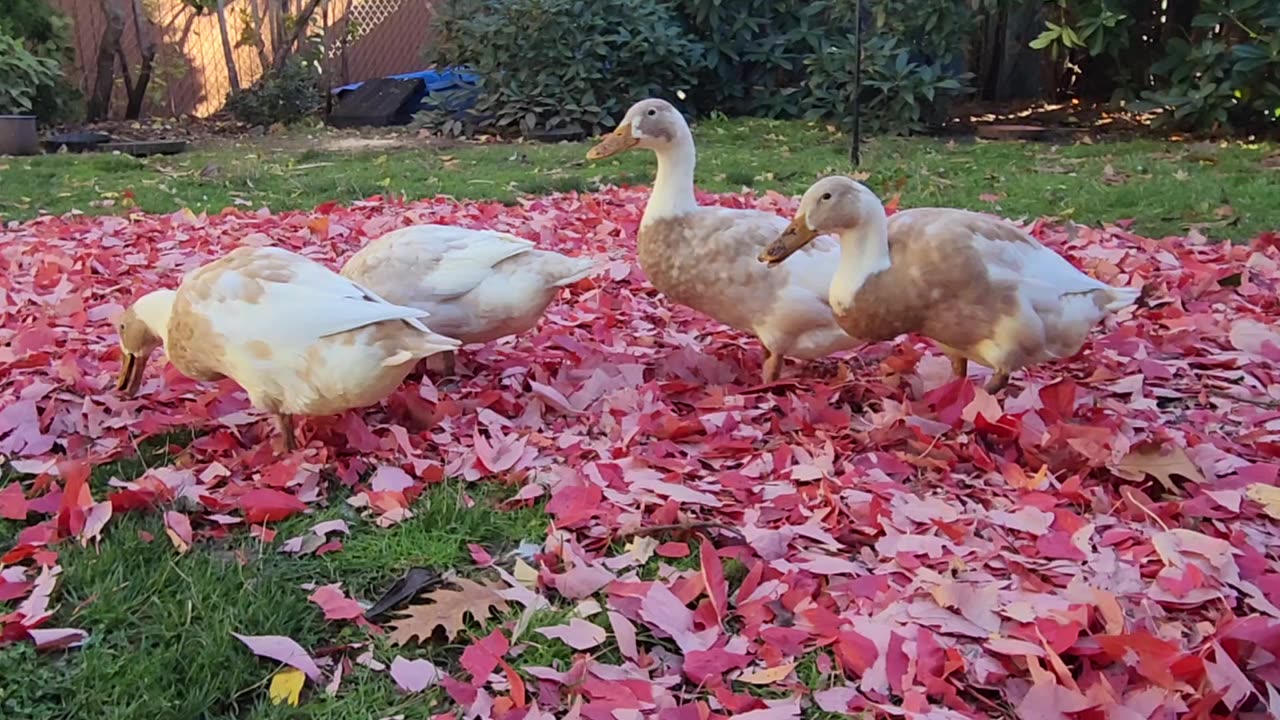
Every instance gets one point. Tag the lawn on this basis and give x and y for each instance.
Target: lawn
(866, 534)
(1227, 189)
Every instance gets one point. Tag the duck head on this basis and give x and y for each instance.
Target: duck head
(650, 124)
(142, 329)
(833, 205)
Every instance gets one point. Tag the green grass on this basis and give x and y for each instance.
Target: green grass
(1164, 186)
(161, 624)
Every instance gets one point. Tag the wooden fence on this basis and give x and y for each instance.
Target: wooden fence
(364, 39)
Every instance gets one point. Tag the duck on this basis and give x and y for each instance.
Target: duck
(981, 288)
(478, 285)
(298, 337)
(705, 257)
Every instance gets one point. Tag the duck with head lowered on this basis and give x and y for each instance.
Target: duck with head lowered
(981, 288)
(705, 257)
(299, 338)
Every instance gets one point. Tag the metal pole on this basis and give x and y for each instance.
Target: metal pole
(855, 137)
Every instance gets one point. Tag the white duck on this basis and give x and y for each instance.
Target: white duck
(478, 285)
(981, 288)
(704, 257)
(299, 338)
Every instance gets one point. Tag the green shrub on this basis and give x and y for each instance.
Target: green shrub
(785, 58)
(1228, 75)
(756, 51)
(23, 76)
(559, 68)
(46, 35)
(899, 95)
(285, 96)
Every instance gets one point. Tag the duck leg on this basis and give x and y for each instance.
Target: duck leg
(997, 382)
(284, 426)
(959, 364)
(450, 363)
(772, 366)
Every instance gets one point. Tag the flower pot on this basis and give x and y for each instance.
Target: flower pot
(18, 135)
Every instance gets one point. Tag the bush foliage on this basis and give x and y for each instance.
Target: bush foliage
(569, 67)
(565, 68)
(285, 96)
(1217, 66)
(23, 76)
(559, 68)
(38, 38)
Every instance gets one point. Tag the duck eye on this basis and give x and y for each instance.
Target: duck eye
(652, 112)
(826, 196)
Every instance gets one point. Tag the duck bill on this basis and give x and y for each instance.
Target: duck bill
(618, 141)
(131, 370)
(797, 235)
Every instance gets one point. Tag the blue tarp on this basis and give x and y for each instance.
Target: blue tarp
(443, 82)
(434, 80)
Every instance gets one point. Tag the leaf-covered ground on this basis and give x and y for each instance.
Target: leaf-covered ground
(867, 536)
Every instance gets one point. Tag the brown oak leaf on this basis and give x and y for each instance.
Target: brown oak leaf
(448, 610)
(1161, 464)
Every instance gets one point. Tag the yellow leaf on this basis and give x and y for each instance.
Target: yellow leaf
(525, 575)
(1268, 496)
(286, 686)
(767, 676)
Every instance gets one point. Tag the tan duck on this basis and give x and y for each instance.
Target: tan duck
(478, 285)
(298, 337)
(981, 288)
(704, 257)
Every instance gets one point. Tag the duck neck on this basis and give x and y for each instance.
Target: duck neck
(155, 309)
(673, 189)
(864, 253)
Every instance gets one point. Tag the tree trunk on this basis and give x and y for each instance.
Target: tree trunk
(108, 47)
(233, 76)
(147, 44)
(299, 30)
(264, 60)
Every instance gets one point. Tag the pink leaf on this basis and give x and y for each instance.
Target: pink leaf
(390, 479)
(664, 611)
(625, 633)
(335, 604)
(178, 528)
(578, 634)
(481, 556)
(414, 676)
(13, 504)
(481, 657)
(265, 505)
(713, 577)
(57, 638)
(581, 581)
(281, 649)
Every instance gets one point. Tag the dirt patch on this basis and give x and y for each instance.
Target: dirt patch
(358, 144)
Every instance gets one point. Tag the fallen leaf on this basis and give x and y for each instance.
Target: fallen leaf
(481, 658)
(286, 687)
(335, 604)
(178, 528)
(767, 676)
(448, 610)
(403, 590)
(577, 634)
(1161, 463)
(1111, 177)
(414, 676)
(281, 649)
(1266, 495)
